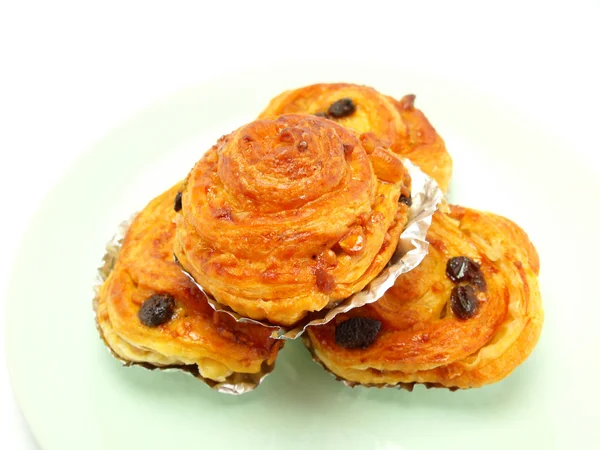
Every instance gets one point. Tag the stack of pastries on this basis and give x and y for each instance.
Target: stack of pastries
(289, 215)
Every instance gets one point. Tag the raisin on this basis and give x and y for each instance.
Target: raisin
(406, 200)
(157, 310)
(177, 205)
(341, 108)
(461, 268)
(463, 302)
(322, 114)
(357, 332)
(408, 102)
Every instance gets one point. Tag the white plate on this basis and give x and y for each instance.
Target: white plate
(76, 396)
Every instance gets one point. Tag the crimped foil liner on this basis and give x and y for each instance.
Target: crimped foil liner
(234, 384)
(412, 248)
(400, 385)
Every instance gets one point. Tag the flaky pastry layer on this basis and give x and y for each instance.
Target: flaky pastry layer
(421, 339)
(289, 215)
(196, 334)
(400, 125)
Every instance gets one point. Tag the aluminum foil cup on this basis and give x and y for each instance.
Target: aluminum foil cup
(235, 384)
(412, 248)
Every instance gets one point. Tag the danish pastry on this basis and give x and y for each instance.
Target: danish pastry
(467, 316)
(289, 215)
(398, 124)
(148, 311)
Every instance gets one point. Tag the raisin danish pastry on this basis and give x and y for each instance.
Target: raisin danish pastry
(289, 215)
(467, 316)
(148, 311)
(398, 124)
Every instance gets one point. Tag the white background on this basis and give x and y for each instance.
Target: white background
(72, 70)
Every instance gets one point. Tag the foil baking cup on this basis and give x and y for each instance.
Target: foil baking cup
(412, 248)
(235, 384)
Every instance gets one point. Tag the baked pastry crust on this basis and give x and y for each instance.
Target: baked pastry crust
(421, 339)
(288, 215)
(196, 335)
(402, 127)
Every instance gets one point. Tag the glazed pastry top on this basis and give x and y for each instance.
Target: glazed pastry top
(396, 123)
(286, 215)
(150, 311)
(466, 316)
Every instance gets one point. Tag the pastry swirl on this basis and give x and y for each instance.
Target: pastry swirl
(398, 124)
(148, 311)
(467, 316)
(288, 215)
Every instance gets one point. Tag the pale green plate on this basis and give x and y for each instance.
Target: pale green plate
(76, 396)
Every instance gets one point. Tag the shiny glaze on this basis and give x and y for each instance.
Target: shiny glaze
(396, 123)
(266, 200)
(146, 267)
(421, 339)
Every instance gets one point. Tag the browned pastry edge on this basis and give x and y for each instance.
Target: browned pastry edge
(236, 378)
(264, 241)
(525, 312)
(400, 385)
(397, 123)
(235, 383)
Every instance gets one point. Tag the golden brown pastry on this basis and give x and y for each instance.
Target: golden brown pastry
(149, 311)
(398, 124)
(468, 315)
(288, 215)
